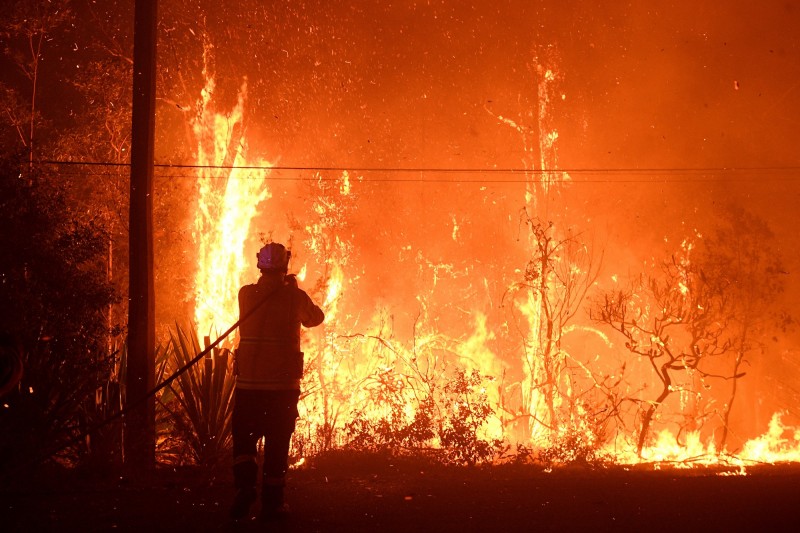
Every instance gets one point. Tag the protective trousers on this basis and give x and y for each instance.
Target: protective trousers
(270, 414)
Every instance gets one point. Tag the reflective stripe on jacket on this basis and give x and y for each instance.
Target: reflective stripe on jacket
(269, 356)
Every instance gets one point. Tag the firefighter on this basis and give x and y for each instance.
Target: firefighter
(269, 368)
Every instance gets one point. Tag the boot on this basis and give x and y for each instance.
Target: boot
(244, 499)
(244, 479)
(272, 505)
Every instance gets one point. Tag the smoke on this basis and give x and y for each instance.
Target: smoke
(688, 89)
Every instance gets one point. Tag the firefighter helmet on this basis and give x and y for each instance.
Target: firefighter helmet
(273, 256)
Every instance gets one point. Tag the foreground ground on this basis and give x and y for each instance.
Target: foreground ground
(356, 493)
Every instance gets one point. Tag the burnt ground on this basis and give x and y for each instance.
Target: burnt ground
(345, 492)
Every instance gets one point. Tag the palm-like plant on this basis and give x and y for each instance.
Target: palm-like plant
(200, 400)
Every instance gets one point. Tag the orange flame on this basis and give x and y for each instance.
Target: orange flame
(356, 352)
(228, 198)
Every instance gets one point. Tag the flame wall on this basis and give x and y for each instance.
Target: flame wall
(431, 261)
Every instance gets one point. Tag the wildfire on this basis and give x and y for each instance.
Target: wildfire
(227, 202)
(779, 444)
(450, 367)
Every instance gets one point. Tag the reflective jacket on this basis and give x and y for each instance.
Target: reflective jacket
(269, 356)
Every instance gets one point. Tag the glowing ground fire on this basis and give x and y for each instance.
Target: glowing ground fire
(482, 352)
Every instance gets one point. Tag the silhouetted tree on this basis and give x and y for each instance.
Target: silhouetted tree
(53, 298)
(99, 192)
(560, 270)
(27, 26)
(700, 315)
(738, 259)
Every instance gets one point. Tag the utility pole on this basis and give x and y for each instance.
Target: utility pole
(139, 436)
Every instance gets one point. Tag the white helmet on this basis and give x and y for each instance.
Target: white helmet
(274, 256)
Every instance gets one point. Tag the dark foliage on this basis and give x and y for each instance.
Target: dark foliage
(54, 299)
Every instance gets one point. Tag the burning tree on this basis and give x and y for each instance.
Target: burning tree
(667, 320)
(325, 369)
(558, 274)
(560, 270)
(738, 259)
(228, 197)
(367, 386)
(697, 319)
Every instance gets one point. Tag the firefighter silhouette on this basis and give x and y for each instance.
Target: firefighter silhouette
(269, 369)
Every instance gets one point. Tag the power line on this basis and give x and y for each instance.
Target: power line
(691, 174)
(791, 168)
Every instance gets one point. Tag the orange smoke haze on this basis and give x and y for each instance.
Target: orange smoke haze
(412, 145)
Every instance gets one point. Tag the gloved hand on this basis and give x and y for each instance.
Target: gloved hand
(291, 280)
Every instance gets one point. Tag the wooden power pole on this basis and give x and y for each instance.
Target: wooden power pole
(139, 436)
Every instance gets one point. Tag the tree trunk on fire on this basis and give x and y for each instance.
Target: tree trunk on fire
(729, 406)
(651, 409)
(550, 383)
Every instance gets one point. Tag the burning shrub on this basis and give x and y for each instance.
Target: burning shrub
(573, 447)
(400, 428)
(451, 417)
(460, 432)
(394, 432)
